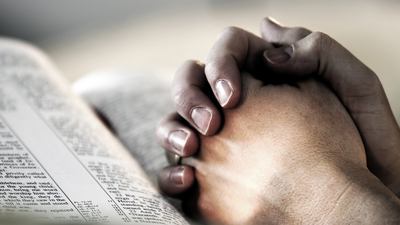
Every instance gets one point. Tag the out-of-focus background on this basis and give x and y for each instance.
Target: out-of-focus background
(85, 35)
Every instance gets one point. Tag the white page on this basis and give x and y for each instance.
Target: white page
(133, 101)
(57, 161)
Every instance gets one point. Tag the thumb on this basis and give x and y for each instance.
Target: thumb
(318, 54)
(358, 88)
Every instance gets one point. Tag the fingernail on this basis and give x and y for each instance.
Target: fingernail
(278, 55)
(274, 21)
(178, 141)
(176, 175)
(224, 92)
(202, 118)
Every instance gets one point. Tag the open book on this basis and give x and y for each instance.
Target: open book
(60, 163)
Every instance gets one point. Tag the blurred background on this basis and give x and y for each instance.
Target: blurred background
(85, 35)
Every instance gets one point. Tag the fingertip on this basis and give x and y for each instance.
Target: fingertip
(271, 30)
(206, 121)
(191, 146)
(279, 55)
(176, 137)
(178, 140)
(192, 101)
(188, 177)
(273, 21)
(227, 93)
(183, 142)
(214, 124)
(280, 35)
(175, 180)
(224, 91)
(269, 24)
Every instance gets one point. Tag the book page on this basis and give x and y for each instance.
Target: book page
(132, 101)
(58, 163)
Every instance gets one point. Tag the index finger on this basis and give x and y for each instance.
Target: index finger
(235, 50)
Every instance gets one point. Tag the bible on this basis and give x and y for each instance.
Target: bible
(60, 163)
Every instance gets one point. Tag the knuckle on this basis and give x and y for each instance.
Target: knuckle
(319, 45)
(211, 69)
(188, 63)
(163, 121)
(192, 63)
(187, 66)
(230, 33)
(372, 84)
(320, 41)
(181, 99)
(231, 30)
(215, 67)
(161, 126)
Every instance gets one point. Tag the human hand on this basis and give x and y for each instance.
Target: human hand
(190, 92)
(286, 154)
(356, 85)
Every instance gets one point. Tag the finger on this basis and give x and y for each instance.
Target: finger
(191, 101)
(358, 88)
(175, 136)
(175, 180)
(279, 35)
(235, 50)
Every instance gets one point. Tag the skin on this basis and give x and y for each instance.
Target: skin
(286, 154)
(316, 54)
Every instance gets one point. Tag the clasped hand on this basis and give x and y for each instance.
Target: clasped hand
(283, 148)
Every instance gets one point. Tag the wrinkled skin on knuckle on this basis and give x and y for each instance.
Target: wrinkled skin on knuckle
(274, 130)
(183, 99)
(319, 47)
(179, 98)
(211, 70)
(319, 42)
(229, 48)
